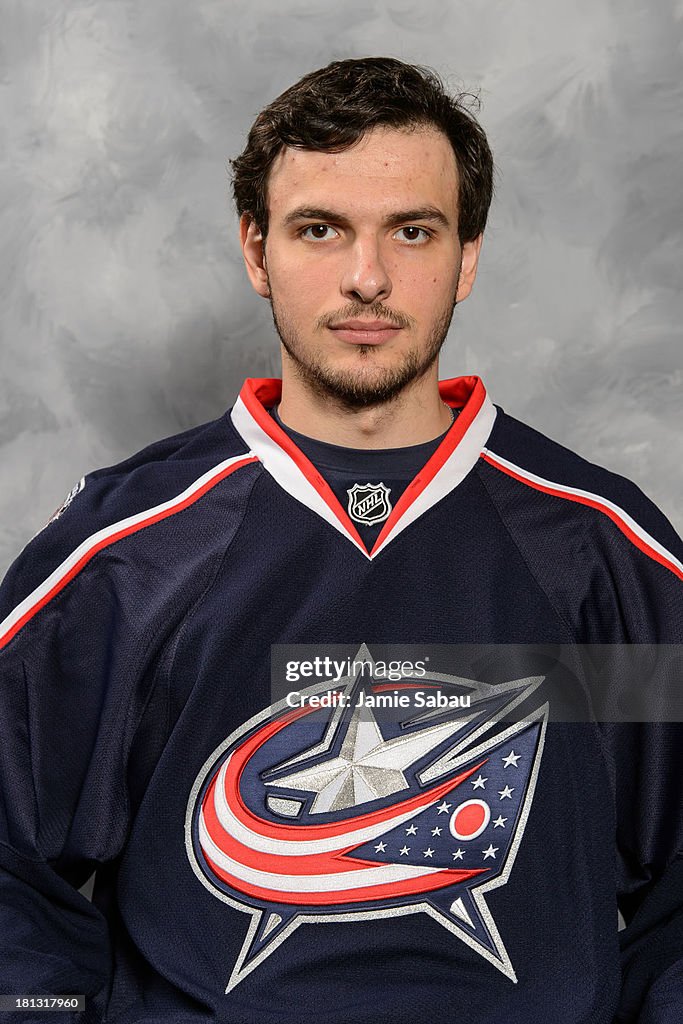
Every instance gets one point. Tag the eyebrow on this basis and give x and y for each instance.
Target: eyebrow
(431, 214)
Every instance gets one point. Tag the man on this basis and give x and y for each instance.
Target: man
(348, 848)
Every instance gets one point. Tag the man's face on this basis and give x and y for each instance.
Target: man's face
(362, 262)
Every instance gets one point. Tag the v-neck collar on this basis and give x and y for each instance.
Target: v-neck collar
(287, 464)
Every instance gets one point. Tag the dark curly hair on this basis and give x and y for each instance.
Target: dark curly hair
(330, 109)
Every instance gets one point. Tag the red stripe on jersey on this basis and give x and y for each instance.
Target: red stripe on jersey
(241, 756)
(111, 538)
(593, 501)
(466, 393)
(314, 862)
(258, 396)
(386, 890)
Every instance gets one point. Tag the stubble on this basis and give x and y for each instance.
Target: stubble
(368, 384)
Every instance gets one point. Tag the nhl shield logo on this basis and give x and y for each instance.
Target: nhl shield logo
(369, 503)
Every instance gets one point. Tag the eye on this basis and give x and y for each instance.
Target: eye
(319, 232)
(413, 234)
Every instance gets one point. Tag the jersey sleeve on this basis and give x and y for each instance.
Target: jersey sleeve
(640, 602)
(648, 767)
(612, 567)
(75, 678)
(87, 614)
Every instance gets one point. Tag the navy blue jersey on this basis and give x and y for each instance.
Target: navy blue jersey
(366, 482)
(265, 861)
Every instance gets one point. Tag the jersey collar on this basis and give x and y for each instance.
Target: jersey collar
(447, 467)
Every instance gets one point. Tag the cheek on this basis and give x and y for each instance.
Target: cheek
(299, 296)
(300, 281)
(424, 287)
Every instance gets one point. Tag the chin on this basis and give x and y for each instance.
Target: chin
(365, 386)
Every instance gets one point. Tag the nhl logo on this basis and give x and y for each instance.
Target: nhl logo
(369, 503)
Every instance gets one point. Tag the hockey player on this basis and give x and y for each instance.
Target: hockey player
(390, 846)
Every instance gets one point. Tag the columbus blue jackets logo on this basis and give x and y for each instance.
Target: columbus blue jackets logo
(353, 811)
(369, 503)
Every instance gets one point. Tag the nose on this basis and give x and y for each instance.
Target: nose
(366, 278)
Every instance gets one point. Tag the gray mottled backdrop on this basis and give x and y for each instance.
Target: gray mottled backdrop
(126, 315)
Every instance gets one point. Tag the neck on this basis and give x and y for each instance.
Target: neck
(414, 416)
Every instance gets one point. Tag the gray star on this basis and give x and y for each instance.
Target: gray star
(405, 851)
(444, 808)
(428, 852)
(479, 783)
(491, 852)
(499, 822)
(459, 854)
(411, 830)
(506, 793)
(437, 831)
(380, 848)
(367, 767)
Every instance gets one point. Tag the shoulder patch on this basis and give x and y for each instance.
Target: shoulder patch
(76, 489)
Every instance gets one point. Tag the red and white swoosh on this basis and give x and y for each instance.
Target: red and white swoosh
(308, 864)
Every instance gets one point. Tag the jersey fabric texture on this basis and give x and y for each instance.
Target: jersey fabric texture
(263, 863)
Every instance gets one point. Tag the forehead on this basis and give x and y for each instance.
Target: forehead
(387, 168)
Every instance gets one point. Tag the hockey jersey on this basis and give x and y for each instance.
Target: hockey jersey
(282, 840)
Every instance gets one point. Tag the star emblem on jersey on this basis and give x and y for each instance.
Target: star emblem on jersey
(369, 503)
(349, 812)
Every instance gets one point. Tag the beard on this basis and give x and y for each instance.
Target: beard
(367, 384)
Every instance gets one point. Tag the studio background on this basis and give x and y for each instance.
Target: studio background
(126, 314)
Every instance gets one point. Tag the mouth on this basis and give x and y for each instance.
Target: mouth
(365, 332)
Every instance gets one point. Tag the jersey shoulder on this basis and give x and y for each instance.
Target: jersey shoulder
(168, 476)
(523, 461)
(606, 557)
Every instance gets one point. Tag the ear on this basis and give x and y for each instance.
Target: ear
(468, 268)
(253, 251)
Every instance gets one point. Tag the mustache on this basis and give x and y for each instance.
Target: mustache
(360, 311)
